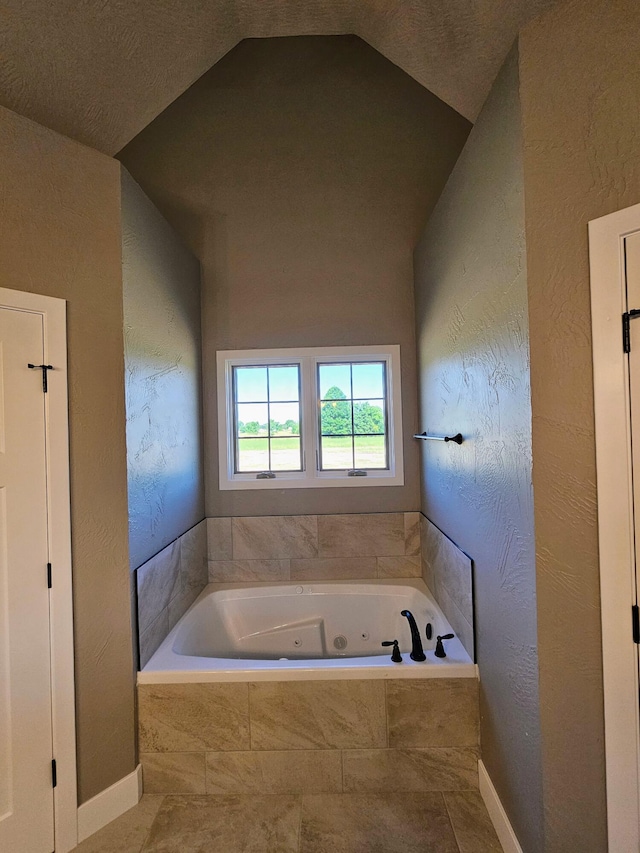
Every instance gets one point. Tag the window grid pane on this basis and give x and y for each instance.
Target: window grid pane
(342, 418)
(284, 454)
(250, 454)
(336, 452)
(369, 452)
(250, 384)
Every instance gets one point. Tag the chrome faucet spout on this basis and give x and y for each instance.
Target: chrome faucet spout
(417, 652)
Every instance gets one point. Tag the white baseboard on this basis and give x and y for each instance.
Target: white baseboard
(498, 816)
(109, 804)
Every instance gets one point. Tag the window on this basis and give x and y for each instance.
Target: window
(310, 418)
(266, 431)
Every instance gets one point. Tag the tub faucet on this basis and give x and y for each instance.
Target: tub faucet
(416, 644)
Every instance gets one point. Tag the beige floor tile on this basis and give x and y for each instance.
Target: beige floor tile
(247, 824)
(128, 833)
(376, 823)
(317, 715)
(323, 823)
(471, 823)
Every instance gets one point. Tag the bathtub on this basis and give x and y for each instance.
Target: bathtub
(308, 631)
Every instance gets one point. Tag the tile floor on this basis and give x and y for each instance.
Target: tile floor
(320, 823)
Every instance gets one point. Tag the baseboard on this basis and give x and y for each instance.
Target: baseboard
(109, 804)
(498, 816)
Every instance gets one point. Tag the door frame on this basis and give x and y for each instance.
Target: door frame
(615, 524)
(53, 312)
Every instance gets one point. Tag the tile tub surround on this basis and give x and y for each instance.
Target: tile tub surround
(167, 585)
(314, 547)
(448, 573)
(309, 737)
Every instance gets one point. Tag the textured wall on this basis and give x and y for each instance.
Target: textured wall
(471, 291)
(301, 171)
(163, 378)
(580, 83)
(60, 236)
(101, 71)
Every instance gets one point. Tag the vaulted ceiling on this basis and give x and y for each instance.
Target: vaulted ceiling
(100, 70)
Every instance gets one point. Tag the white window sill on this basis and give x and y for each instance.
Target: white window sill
(371, 480)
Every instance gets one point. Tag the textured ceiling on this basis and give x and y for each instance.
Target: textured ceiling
(100, 70)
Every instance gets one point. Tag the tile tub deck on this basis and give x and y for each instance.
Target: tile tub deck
(310, 737)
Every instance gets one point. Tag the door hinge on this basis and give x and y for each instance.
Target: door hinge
(635, 623)
(45, 368)
(626, 331)
(49, 579)
(54, 773)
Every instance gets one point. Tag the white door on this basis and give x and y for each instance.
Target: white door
(632, 275)
(614, 257)
(26, 789)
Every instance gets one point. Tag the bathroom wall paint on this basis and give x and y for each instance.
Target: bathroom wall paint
(301, 170)
(60, 236)
(163, 377)
(104, 97)
(471, 292)
(580, 87)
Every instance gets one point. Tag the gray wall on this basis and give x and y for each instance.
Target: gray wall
(580, 87)
(163, 377)
(301, 171)
(60, 236)
(471, 292)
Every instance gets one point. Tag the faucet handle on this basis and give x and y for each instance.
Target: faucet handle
(396, 657)
(440, 652)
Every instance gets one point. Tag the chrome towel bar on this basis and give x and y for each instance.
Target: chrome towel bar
(457, 438)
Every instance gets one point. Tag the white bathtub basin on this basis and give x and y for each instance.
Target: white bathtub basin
(312, 630)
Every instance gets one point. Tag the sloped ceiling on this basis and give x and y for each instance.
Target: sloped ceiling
(100, 70)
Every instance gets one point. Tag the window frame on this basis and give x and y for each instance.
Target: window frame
(308, 358)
